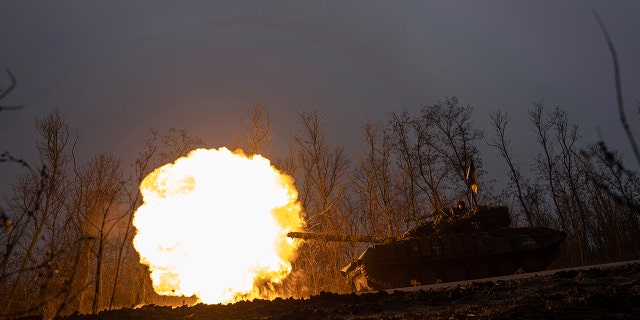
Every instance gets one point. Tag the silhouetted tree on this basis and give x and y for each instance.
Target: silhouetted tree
(37, 244)
(380, 208)
(499, 121)
(321, 178)
(434, 151)
(256, 132)
(97, 203)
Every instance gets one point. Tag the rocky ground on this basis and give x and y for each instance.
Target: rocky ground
(598, 293)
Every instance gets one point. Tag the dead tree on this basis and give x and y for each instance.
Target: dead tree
(435, 148)
(500, 121)
(321, 178)
(257, 131)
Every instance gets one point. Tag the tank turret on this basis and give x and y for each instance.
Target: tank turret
(448, 246)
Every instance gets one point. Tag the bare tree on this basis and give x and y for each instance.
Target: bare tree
(613, 225)
(173, 144)
(97, 192)
(321, 177)
(591, 200)
(571, 178)
(37, 245)
(435, 149)
(406, 148)
(257, 131)
(545, 163)
(134, 286)
(499, 122)
(124, 246)
(377, 186)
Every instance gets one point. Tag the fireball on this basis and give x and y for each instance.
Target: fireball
(213, 224)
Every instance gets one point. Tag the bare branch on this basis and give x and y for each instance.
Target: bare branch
(616, 69)
(4, 93)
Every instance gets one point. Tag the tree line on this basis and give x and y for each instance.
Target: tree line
(66, 237)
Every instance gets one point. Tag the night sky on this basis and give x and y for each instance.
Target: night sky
(115, 69)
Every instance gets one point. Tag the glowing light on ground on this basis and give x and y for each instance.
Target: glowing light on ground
(214, 223)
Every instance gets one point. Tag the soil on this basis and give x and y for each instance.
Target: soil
(597, 293)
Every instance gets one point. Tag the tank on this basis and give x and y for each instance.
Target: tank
(448, 246)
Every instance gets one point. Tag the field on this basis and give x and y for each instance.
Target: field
(597, 293)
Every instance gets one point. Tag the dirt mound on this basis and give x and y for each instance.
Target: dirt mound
(588, 294)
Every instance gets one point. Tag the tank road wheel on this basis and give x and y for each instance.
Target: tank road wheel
(455, 272)
(400, 278)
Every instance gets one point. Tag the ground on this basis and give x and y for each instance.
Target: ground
(596, 293)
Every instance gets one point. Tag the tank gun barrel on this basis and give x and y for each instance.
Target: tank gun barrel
(340, 237)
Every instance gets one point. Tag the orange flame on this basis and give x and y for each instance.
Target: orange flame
(214, 223)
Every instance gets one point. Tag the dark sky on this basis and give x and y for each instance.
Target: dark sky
(117, 68)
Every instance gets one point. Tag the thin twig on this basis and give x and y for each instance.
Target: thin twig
(4, 93)
(616, 69)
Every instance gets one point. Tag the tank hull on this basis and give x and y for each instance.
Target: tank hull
(454, 257)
